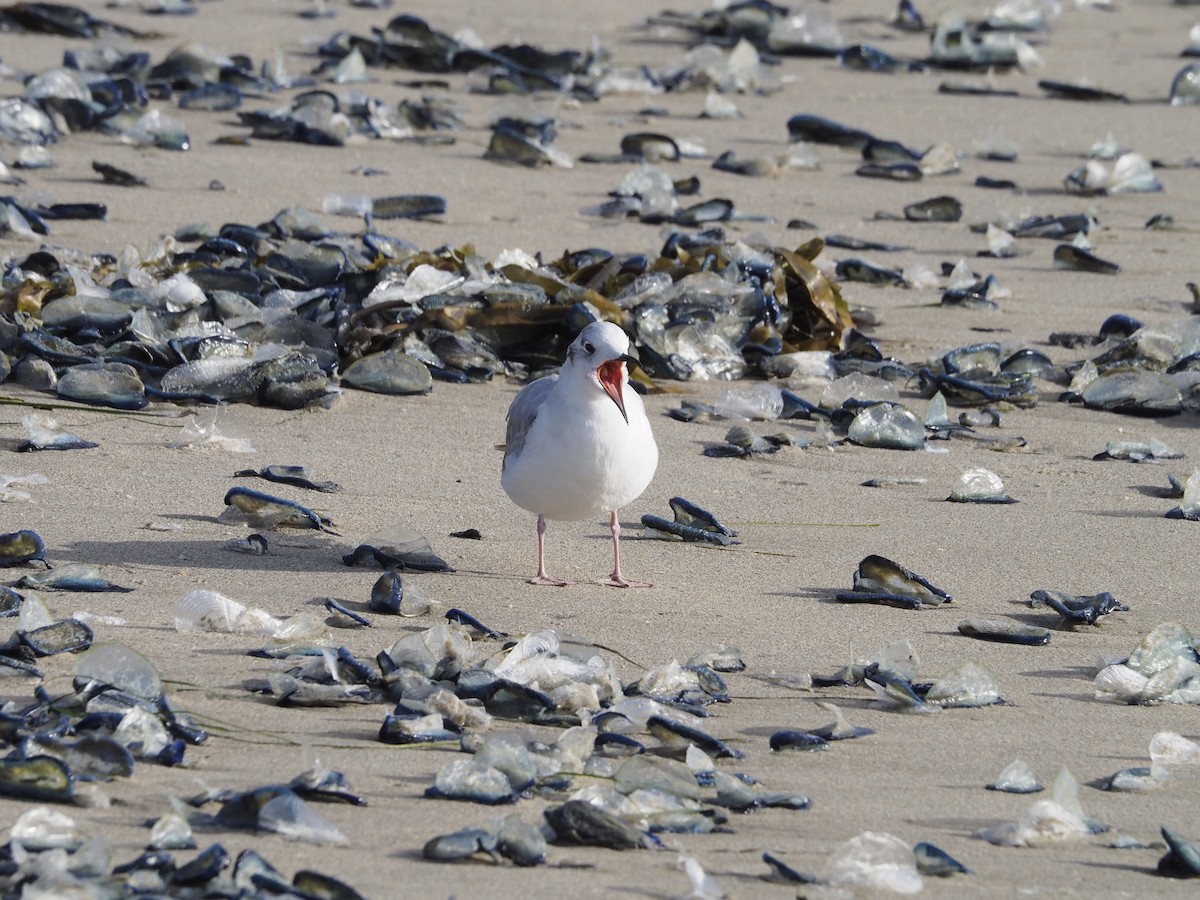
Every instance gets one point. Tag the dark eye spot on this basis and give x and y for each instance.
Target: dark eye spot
(589, 347)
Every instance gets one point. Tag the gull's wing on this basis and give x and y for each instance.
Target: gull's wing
(524, 410)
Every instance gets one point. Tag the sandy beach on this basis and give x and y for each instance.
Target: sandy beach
(147, 513)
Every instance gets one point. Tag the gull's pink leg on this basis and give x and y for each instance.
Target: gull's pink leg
(542, 577)
(616, 579)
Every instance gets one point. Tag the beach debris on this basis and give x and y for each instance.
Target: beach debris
(691, 523)
(1068, 256)
(20, 547)
(1152, 450)
(1130, 173)
(874, 861)
(1161, 668)
(1077, 610)
(71, 577)
(1016, 778)
(10, 487)
(1170, 749)
(880, 580)
(1182, 859)
(1185, 86)
(392, 595)
(343, 617)
(934, 862)
(266, 511)
(888, 426)
(511, 837)
(252, 545)
(46, 434)
(979, 485)
(397, 547)
(1004, 631)
(1189, 506)
(204, 610)
(297, 476)
(1047, 821)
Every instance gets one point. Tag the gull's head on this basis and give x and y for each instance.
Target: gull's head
(601, 352)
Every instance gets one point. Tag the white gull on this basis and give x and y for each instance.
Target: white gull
(579, 443)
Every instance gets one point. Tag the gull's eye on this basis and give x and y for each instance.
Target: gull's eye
(589, 347)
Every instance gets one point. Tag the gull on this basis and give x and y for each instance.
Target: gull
(579, 443)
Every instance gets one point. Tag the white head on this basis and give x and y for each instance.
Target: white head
(599, 354)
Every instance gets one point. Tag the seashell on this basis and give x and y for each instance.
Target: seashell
(1016, 778)
(979, 486)
(1005, 632)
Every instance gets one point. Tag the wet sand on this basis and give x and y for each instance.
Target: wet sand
(804, 519)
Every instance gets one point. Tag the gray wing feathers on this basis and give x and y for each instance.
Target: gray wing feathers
(524, 410)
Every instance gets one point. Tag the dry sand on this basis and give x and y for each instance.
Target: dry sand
(805, 521)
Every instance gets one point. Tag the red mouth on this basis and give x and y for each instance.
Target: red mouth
(609, 374)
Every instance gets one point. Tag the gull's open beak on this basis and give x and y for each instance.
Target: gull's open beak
(609, 373)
